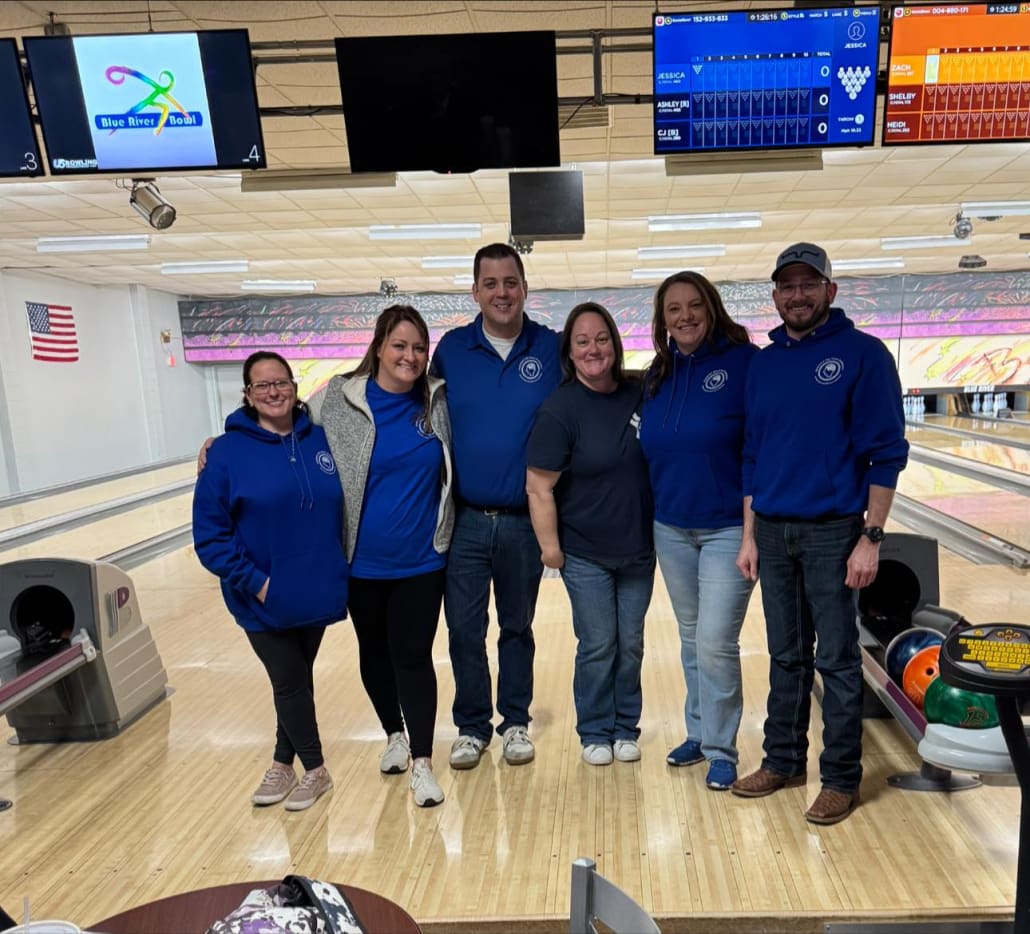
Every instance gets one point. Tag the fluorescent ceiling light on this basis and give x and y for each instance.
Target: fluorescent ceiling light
(447, 262)
(921, 243)
(425, 231)
(875, 262)
(278, 285)
(464, 280)
(681, 252)
(92, 244)
(994, 208)
(723, 221)
(199, 268)
(662, 273)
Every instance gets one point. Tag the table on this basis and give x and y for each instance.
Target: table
(193, 912)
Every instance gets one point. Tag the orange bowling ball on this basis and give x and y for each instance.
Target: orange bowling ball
(922, 668)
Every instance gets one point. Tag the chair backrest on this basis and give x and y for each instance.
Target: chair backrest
(594, 897)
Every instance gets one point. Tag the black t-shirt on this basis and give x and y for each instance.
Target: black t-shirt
(605, 508)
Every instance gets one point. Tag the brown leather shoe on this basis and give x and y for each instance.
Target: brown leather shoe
(765, 782)
(831, 806)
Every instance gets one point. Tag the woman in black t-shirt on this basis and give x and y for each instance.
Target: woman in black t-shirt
(592, 511)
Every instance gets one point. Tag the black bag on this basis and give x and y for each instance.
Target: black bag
(297, 905)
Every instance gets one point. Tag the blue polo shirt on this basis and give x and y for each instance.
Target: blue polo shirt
(493, 404)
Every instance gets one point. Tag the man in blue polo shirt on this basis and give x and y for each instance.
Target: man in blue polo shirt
(824, 444)
(499, 369)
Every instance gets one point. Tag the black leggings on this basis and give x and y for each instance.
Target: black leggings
(289, 658)
(395, 621)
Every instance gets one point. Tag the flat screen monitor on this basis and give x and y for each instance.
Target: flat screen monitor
(958, 73)
(765, 79)
(440, 103)
(146, 102)
(19, 150)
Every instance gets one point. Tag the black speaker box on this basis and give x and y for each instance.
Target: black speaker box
(546, 205)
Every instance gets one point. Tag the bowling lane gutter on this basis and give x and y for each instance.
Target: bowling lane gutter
(151, 548)
(975, 470)
(16, 499)
(978, 435)
(42, 528)
(964, 539)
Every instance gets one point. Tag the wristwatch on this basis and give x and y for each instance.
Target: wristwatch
(874, 533)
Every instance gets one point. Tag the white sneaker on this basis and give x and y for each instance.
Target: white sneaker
(518, 747)
(627, 750)
(597, 754)
(467, 751)
(424, 786)
(395, 759)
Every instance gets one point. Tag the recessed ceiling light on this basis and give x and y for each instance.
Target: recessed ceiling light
(921, 243)
(92, 244)
(278, 285)
(681, 252)
(464, 280)
(874, 262)
(651, 274)
(199, 268)
(425, 231)
(995, 208)
(722, 221)
(447, 262)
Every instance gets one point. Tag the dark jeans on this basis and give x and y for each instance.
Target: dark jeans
(811, 625)
(395, 622)
(501, 549)
(289, 658)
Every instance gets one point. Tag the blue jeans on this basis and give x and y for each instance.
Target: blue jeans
(709, 597)
(501, 549)
(608, 608)
(811, 625)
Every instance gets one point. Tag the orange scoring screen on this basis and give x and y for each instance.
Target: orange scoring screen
(958, 73)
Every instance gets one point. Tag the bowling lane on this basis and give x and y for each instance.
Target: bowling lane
(997, 512)
(110, 534)
(1000, 430)
(993, 453)
(101, 492)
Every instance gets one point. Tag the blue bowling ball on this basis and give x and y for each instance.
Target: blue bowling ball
(905, 645)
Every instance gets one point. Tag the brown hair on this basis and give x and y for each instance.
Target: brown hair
(568, 370)
(248, 365)
(387, 321)
(720, 324)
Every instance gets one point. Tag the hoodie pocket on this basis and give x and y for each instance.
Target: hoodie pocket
(307, 588)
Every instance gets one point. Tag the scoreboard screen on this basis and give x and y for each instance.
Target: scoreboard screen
(765, 79)
(958, 73)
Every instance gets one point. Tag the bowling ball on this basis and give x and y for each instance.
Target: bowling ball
(921, 669)
(956, 707)
(904, 645)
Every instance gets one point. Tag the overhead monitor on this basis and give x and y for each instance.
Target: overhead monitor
(958, 73)
(450, 103)
(765, 79)
(146, 102)
(19, 149)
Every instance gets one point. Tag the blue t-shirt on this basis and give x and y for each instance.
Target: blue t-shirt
(402, 493)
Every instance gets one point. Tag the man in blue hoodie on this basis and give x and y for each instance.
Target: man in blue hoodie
(499, 369)
(824, 444)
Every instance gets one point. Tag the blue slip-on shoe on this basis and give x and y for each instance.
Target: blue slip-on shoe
(721, 774)
(686, 753)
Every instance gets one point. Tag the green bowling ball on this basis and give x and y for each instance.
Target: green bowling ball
(956, 707)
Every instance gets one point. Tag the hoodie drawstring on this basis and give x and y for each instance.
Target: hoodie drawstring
(307, 500)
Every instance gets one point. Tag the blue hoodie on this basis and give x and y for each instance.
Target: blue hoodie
(692, 434)
(493, 405)
(824, 421)
(258, 515)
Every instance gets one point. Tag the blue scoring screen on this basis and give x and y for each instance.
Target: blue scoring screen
(765, 79)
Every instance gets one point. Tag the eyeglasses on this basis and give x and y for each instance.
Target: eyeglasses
(264, 387)
(808, 287)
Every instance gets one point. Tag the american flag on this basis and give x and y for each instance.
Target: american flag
(52, 329)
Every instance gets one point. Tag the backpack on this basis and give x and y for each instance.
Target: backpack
(297, 905)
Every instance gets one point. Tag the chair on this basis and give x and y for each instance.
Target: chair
(595, 898)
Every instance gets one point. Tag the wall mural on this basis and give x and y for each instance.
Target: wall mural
(944, 331)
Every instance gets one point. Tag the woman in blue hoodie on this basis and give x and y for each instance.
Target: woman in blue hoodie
(692, 434)
(268, 521)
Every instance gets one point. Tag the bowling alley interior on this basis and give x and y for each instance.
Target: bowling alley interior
(637, 138)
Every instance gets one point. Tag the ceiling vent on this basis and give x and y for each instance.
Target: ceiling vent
(972, 261)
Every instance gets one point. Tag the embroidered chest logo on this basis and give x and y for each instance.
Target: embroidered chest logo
(634, 423)
(829, 371)
(325, 462)
(715, 380)
(420, 427)
(531, 369)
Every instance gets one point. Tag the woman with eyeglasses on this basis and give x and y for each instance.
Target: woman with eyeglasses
(692, 433)
(388, 425)
(268, 521)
